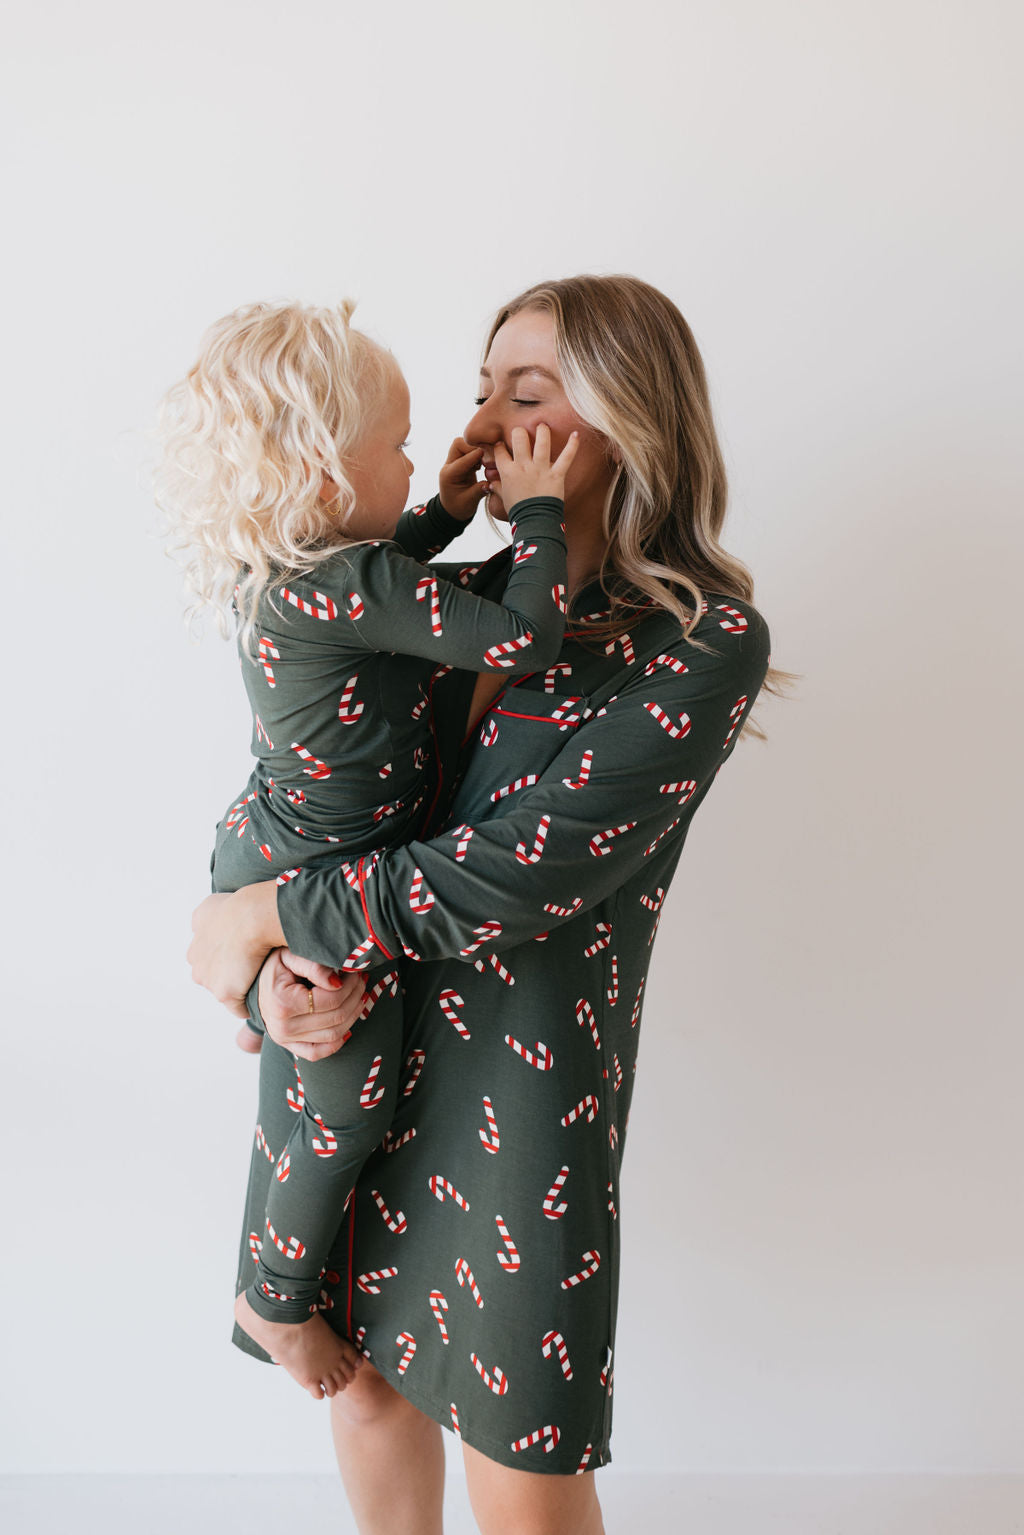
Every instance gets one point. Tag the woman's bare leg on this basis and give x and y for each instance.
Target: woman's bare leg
(391, 1458)
(507, 1502)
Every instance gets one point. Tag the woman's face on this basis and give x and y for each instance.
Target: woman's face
(520, 385)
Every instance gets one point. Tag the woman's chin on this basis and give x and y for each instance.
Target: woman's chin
(496, 506)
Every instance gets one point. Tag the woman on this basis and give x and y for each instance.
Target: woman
(482, 1240)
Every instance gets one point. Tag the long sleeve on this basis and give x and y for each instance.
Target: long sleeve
(392, 603)
(616, 799)
(424, 531)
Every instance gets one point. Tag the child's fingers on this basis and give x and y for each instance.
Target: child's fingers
(568, 453)
(502, 457)
(542, 445)
(460, 454)
(522, 449)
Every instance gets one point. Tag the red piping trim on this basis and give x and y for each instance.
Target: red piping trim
(545, 719)
(360, 875)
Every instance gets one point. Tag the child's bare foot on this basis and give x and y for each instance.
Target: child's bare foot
(248, 1040)
(311, 1352)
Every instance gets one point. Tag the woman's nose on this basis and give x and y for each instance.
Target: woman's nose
(484, 427)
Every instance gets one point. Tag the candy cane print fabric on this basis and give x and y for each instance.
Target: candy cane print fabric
(521, 1093)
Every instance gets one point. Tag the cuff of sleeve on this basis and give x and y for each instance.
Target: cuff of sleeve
(442, 523)
(331, 922)
(538, 513)
(252, 1002)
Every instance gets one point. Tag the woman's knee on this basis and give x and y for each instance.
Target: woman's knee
(369, 1399)
(512, 1502)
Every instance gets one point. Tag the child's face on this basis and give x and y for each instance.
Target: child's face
(379, 469)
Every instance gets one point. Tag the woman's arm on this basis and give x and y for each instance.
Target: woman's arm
(626, 780)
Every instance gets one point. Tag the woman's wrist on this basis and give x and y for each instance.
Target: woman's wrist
(257, 914)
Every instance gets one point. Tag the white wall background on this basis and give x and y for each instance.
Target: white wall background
(824, 1250)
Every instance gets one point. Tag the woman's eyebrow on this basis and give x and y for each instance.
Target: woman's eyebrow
(528, 368)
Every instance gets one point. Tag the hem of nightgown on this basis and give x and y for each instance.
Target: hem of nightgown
(496, 1450)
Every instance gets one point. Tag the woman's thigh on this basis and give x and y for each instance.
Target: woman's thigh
(528, 1502)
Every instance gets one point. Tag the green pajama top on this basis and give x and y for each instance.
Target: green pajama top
(481, 1247)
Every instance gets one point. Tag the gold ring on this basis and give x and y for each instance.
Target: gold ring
(312, 1004)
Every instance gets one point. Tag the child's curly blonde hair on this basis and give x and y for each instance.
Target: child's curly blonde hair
(279, 396)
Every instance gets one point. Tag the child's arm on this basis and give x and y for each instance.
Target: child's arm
(392, 603)
(424, 531)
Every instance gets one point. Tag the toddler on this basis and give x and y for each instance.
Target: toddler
(284, 473)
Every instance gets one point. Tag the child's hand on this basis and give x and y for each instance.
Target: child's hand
(528, 470)
(461, 491)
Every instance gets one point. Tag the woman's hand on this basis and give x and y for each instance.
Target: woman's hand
(528, 470)
(461, 491)
(233, 936)
(310, 1022)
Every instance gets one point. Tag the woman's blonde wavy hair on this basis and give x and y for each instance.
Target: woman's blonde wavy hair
(632, 370)
(279, 396)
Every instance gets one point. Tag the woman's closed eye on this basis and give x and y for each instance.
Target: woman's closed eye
(482, 400)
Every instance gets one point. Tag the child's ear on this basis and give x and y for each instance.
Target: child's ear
(328, 489)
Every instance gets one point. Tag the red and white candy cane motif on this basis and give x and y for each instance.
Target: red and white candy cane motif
(283, 1168)
(295, 796)
(329, 1145)
(355, 605)
(613, 1137)
(624, 640)
(287, 876)
(558, 598)
(450, 1000)
(494, 1380)
(367, 1097)
(504, 654)
(597, 842)
(636, 1006)
(464, 834)
(618, 1072)
(438, 1304)
(549, 1433)
(521, 552)
(386, 810)
(415, 1059)
(672, 662)
(426, 587)
(255, 1246)
(653, 902)
(498, 968)
(268, 653)
(586, 1020)
(235, 817)
(325, 1303)
(509, 1259)
(392, 1142)
(387, 982)
(665, 721)
(419, 708)
(466, 574)
(540, 1056)
(262, 734)
(464, 1274)
(554, 1340)
(439, 1187)
(296, 1099)
(489, 733)
(384, 771)
(359, 959)
(612, 991)
(734, 622)
(684, 789)
(554, 1212)
(654, 930)
(261, 1144)
(607, 1374)
(455, 1421)
(274, 1294)
(603, 937)
(565, 911)
(358, 1341)
(410, 1349)
(397, 1222)
(318, 770)
(566, 713)
(735, 714)
(584, 1459)
(264, 848)
(591, 1264)
(348, 712)
(560, 669)
(670, 827)
(292, 1248)
(365, 1282)
(511, 788)
(320, 607)
(538, 843)
(587, 1105)
(490, 1138)
(421, 897)
(611, 1205)
(482, 934)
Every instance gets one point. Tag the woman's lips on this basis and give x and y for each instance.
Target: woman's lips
(491, 474)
